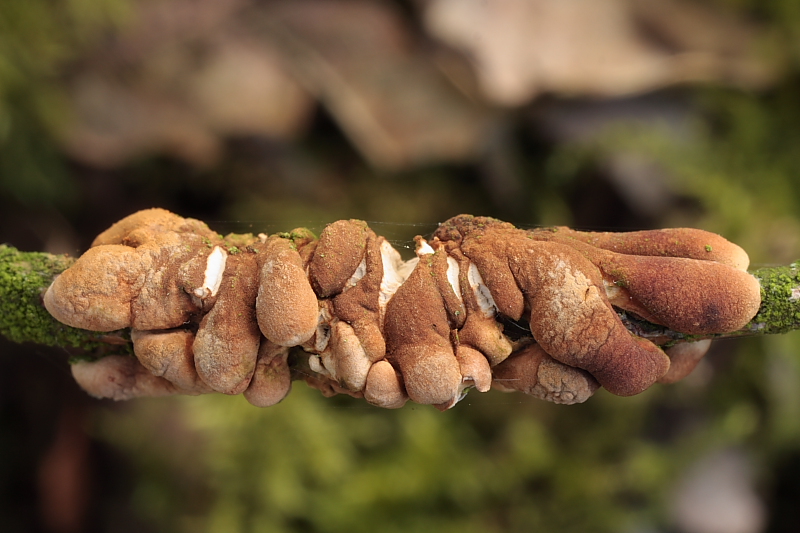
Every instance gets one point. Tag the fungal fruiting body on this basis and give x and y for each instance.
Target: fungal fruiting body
(245, 314)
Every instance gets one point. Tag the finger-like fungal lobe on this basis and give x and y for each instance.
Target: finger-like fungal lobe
(120, 377)
(533, 371)
(248, 314)
(272, 378)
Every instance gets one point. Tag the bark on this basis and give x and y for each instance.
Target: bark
(24, 276)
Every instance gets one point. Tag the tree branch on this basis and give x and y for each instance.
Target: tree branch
(24, 276)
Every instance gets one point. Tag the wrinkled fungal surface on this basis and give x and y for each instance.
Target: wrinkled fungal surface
(247, 314)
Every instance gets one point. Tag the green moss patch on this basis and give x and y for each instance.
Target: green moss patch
(24, 276)
(780, 299)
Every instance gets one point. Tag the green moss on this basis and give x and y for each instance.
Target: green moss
(239, 241)
(780, 311)
(618, 276)
(302, 234)
(24, 276)
(298, 234)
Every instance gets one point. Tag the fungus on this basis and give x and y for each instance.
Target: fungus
(135, 275)
(226, 345)
(561, 281)
(168, 354)
(272, 378)
(384, 387)
(395, 272)
(212, 277)
(480, 329)
(345, 358)
(673, 242)
(359, 302)
(222, 314)
(683, 359)
(120, 377)
(532, 371)
(286, 306)
(147, 225)
(704, 297)
(417, 333)
(474, 368)
(338, 253)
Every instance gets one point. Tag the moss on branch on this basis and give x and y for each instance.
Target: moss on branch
(24, 276)
(780, 300)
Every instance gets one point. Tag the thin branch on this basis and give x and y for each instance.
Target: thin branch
(24, 276)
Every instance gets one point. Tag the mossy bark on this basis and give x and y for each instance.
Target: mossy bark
(24, 276)
(780, 300)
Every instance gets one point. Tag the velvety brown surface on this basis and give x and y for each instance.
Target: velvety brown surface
(433, 339)
(339, 251)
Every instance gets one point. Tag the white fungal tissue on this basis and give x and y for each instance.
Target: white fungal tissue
(361, 270)
(395, 273)
(452, 276)
(484, 297)
(323, 335)
(215, 267)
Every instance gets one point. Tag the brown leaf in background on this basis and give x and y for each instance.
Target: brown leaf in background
(242, 90)
(602, 48)
(178, 81)
(361, 61)
(116, 122)
(186, 75)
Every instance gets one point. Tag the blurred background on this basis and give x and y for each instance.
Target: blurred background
(269, 115)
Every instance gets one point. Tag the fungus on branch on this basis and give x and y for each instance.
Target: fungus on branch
(208, 315)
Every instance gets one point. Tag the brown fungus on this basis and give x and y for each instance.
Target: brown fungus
(683, 359)
(480, 330)
(359, 302)
(338, 254)
(286, 306)
(532, 371)
(226, 345)
(569, 313)
(703, 297)
(345, 358)
(384, 387)
(213, 313)
(474, 368)
(149, 225)
(573, 321)
(120, 377)
(272, 379)
(709, 289)
(96, 292)
(673, 242)
(417, 333)
(168, 354)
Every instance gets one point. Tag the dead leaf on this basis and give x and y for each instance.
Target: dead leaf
(361, 61)
(598, 48)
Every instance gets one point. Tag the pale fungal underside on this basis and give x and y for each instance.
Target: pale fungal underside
(346, 314)
(215, 267)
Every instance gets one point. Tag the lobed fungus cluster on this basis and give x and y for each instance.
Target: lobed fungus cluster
(248, 314)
